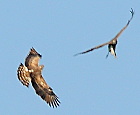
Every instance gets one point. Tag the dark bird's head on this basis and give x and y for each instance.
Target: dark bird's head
(114, 42)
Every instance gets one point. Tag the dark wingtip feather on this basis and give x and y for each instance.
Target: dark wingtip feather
(78, 54)
(55, 102)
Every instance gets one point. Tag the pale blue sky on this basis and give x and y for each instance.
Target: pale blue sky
(87, 84)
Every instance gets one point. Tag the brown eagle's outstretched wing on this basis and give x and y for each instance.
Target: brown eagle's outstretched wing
(43, 90)
(32, 60)
(24, 75)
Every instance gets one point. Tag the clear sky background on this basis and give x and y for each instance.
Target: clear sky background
(87, 84)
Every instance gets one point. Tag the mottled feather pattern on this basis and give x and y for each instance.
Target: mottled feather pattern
(24, 75)
(46, 93)
(32, 71)
(32, 59)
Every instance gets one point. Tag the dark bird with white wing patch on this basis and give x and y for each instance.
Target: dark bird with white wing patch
(112, 43)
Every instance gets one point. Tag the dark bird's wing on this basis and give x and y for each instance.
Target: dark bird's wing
(24, 75)
(117, 36)
(32, 60)
(114, 39)
(99, 46)
(43, 90)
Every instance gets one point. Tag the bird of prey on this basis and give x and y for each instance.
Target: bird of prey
(112, 43)
(32, 72)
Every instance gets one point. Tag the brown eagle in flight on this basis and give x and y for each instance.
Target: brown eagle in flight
(112, 43)
(32, 72)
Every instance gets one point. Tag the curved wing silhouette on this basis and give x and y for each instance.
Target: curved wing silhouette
(113, 41)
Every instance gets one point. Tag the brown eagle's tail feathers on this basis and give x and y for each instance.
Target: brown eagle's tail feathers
(24, 75)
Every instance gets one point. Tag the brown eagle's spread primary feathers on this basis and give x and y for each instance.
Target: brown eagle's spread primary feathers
(112, 43)
(32, 72)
